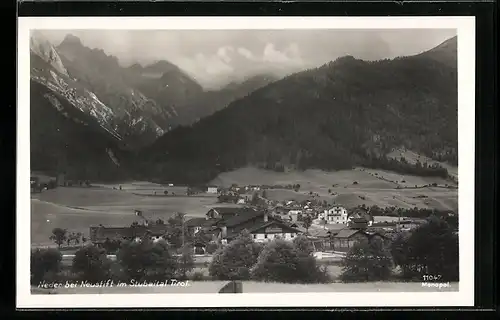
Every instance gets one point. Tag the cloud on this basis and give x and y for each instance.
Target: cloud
(290, 56)
(224, 53)
(246, 53)
(214, 56)
(272, 55)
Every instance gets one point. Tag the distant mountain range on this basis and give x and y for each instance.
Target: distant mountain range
(333, 117)
(130, 106)
(95, 119)
(137, 103)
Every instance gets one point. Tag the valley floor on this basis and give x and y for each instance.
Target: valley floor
(77, 208)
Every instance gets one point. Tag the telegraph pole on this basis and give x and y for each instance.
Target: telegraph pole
(182, 229)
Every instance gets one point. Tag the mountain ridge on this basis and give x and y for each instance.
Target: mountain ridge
(347, 112)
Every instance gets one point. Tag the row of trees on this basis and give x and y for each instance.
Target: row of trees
(277, 261)
(402, 165)
(449, 216)
(62, 236)
(140, 261)
(431, 249)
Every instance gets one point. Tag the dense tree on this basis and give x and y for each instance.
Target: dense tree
(59, 236)
(91, 264)
(147, 261)
(44, 263)
(307, 222)
(111, 246)
(185, 261)
(178, 234)
(284, 261)
(212, 248)
(367, 261)
(431, 249)
(234, 261)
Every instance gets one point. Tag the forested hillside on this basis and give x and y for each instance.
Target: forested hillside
(348, 112)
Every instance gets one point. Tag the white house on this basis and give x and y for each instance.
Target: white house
(212, 189)
(335, 214)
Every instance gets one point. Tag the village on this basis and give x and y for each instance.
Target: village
(206, 223)
(331, 228)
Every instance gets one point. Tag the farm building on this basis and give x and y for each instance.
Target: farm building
(99, 234)
(226, 212)
(227, 223)
(212, 189)
(360, 216)
(196, 224)
(346, 238)
(262, 226)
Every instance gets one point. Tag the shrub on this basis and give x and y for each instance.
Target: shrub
(92, 264)
(211, 247)
(367, 261)
(185, 262)
(282, 261)
(44, 264)
(430, 249)
(59, 236)
(198, 276)
(233, 262)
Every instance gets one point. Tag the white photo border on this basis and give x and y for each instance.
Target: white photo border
(465, 27)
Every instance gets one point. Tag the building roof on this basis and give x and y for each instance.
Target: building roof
(196, 222)
(101, 233)
(346, 233)
(242, 216)
(254, 226)
(112, 233)
(318, 232)
(229, 210)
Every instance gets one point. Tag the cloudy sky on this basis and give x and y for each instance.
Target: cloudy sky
(214, 57)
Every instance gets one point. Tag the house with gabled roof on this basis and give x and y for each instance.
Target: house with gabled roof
(260, 224)
(100, 234)
(344, 240)
(227, 212)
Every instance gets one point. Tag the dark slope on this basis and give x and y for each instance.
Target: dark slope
(209, 102)
(445, 53)
(143, 100)
(64, 139)
(333, 117)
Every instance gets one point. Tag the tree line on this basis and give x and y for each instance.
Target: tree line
(429, 249)
(402, 165)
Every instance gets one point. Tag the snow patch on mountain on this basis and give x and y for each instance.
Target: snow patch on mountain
(45, 50)
(112, 157)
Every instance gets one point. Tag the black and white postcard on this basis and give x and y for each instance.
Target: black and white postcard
(284, 162)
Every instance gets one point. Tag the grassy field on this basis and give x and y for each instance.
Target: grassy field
(259, 287)
(373, 187)
(78, 208)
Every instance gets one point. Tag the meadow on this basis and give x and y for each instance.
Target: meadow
(78, 208)
(351, 188)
